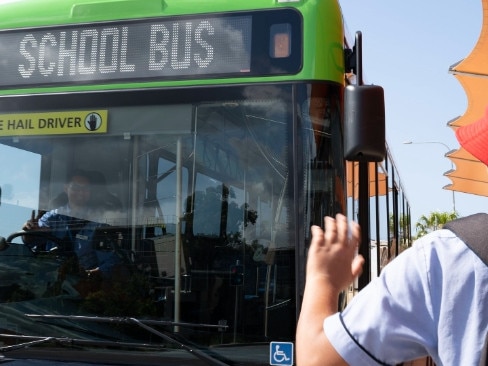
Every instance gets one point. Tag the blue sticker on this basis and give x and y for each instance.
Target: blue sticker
(281, 353)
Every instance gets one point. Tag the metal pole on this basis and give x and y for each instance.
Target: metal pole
(363, 193)
(363, 220)
(178, 234)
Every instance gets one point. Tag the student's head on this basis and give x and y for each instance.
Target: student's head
(474, 138)
(78, 189)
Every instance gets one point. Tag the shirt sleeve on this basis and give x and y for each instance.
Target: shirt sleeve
(52, 219)
(106, 261)
(44, 220)
(391, 319)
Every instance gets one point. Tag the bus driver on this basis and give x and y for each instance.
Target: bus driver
(70, 224)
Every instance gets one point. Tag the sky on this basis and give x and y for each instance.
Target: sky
(408, 47)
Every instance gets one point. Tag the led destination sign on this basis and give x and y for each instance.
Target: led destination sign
(137, 50)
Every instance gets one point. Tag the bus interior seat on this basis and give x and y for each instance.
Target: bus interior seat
(157, 256)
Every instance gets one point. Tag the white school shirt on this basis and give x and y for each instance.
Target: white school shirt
(430, 300)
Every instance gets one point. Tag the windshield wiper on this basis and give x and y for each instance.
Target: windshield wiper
(118, 319)
(145, 324)
(36, 341)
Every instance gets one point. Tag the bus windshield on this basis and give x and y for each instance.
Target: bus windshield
(188, 218)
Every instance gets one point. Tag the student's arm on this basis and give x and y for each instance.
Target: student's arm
(331, 266)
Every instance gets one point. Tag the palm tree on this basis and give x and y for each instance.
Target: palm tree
(436, 220)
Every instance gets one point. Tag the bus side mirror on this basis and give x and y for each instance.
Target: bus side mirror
(364, 123)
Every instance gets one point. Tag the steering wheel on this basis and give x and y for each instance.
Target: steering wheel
(46, 236)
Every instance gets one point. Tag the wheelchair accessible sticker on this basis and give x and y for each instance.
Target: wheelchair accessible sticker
(281, 353)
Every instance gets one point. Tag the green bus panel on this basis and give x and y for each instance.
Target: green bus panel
(99, 42)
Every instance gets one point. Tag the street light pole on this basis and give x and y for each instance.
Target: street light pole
(452, 165)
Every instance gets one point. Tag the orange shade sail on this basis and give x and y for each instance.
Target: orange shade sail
(470, 175)
(353, 183)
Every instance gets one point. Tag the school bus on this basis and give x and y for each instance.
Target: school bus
(204, 137)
